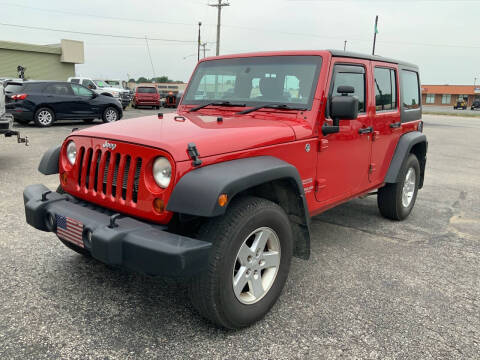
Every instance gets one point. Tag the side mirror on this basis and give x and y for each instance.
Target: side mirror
(94, 95)
(342, 107)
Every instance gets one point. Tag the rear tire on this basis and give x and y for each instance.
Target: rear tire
(71, 246)
(44, 117)
(395, 201)
(248, 263)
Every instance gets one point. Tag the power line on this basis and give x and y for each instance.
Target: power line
(97, 34)
(150, 56)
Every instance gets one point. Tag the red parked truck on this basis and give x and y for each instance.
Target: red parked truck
(221, 192)
(146, 96)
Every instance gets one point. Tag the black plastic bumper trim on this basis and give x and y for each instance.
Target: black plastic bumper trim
(134, 244)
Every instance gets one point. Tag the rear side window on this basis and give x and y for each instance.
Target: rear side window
(385, 89)
(410, 89)
(146, 90)
(13, 88)
(350, 75)
(59, 89)
(75, 81)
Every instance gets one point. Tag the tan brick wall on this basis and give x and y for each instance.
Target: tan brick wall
(40, 66)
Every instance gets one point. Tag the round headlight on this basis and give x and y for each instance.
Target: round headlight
(71, 152)
(162, 172)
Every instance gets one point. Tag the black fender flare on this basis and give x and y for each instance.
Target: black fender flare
(404, 147)
(197, 192)
(49, 162)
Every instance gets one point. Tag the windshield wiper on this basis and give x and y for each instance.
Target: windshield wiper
(271, 106)
(222, 103)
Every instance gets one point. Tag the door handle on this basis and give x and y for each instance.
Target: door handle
(365, 130)
(395, 125)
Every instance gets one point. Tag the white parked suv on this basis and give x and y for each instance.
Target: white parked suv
(101, 87)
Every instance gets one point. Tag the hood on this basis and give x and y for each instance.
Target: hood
(173, 133)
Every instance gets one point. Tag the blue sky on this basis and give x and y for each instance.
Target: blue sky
(440, 36)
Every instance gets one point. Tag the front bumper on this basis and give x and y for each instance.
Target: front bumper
(131, 243)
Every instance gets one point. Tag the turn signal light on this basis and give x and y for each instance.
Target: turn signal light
(63, 178)
(158, 205)
(222, 200)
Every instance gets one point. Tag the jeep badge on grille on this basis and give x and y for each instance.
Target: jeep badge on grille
(108, 145)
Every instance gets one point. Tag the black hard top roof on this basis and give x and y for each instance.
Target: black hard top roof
(354, 55)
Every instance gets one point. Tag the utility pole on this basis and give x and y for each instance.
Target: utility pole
(345, 45)
(199, 42)
(205, 49)
(375, 35)
(219, 9)
(475, 81)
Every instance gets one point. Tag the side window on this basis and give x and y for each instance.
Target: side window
(81, 91)
(350, 75)
(385, 89)
(410, 89)
(88, 83)
(59, 89)
(76, 81)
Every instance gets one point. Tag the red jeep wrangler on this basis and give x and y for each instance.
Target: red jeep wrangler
(221, 192)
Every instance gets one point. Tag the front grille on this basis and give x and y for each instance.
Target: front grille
(109, 173)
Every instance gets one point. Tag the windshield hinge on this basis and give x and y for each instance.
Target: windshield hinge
(194, 155)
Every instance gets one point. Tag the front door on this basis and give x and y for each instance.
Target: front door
(344, 157)
(84, 105)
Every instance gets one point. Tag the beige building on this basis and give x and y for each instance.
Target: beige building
(42, 62)
(163, 88)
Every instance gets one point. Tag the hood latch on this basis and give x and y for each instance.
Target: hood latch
(194, 155)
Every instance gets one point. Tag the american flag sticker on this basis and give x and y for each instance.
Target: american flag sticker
(70, 230)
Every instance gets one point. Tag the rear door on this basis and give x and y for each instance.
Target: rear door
(386, 119)
(60, 98)
(343, 159)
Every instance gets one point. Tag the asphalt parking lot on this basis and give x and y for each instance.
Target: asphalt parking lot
(373, 288)
(450, 110)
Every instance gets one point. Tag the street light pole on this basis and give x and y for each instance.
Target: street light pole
(199, 43)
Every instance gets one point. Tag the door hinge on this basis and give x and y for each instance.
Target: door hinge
(372, 168)
(322, 145)
(320, 184)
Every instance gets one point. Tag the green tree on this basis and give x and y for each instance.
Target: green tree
(131, 80)
(142, 80)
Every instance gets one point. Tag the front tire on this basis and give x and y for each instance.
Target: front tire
(248, 264)
(110, 114)
(395, 201)
(44, 117)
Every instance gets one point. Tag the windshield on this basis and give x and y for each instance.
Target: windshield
(13, 88)
(100, 83)
(113, 82)
(256, 80)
